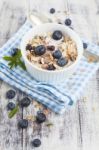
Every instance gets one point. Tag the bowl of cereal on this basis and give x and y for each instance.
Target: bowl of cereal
(51, 52)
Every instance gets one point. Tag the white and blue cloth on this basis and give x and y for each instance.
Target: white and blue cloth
(56, 97)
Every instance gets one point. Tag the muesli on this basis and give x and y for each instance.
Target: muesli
(51, 51)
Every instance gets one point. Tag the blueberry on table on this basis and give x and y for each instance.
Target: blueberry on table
(10, 94)
(23, 123)
(29, 47)
(57, 35)
(51, 67)
(25, 102)
(57, 54)
(85, 45)
(52, 10)
(40, 118)
(40, 50)
(36, 142)
(10, 106)
(68, 22)
(62, 61)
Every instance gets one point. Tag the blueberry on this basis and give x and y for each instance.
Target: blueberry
(23, 123)
(51, 48)
(57, 54)
(40, 50)
(85, 45)
(40, 118)
(52, 10)
(70, 103)
(51, 67)
(10, 106)
(62, 61)
(57, 35)
(36, 142)
(10, 94)
(25, 102)
(14, 51)
(68, 22)
(29, 47)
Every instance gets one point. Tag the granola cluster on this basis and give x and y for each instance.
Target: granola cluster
(51, 51)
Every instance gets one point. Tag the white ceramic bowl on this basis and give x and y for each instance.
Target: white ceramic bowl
(45, 75)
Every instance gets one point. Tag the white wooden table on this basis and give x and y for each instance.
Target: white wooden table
(78, 128)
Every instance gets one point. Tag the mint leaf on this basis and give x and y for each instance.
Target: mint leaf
(7, 58)
(13, 112)
(22, 65)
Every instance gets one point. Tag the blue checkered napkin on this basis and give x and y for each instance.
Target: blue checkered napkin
(56, 97)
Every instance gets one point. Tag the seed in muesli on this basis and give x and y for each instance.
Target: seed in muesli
(29, 47)
(50, 47)
(51, 67)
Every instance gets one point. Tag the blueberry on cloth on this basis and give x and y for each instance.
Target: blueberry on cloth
(68, 22)
(14, 51)
(23, 123)
(40, 50)
(57, 35)
(25, 102)
(36, 142)
(85, 45)
(10, 94)
(40, 118)
(51, 67)
(57, 54)
(62, 61)
(70, 103)
(29, 47)
(52, 10)
(10, 106)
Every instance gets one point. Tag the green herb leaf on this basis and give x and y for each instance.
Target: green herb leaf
(13, 112)
(49, 124)
(22, 65)
(15, 60)
(7, 58)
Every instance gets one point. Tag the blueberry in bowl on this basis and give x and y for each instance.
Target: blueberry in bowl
(57, 35)
(57, 54)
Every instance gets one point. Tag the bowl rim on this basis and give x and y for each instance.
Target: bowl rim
(52, 71)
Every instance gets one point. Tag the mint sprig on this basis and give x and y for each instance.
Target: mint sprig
(15, 60)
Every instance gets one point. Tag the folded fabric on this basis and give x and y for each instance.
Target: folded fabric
(57, 97)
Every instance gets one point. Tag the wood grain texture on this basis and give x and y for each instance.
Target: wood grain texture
(78, 128)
